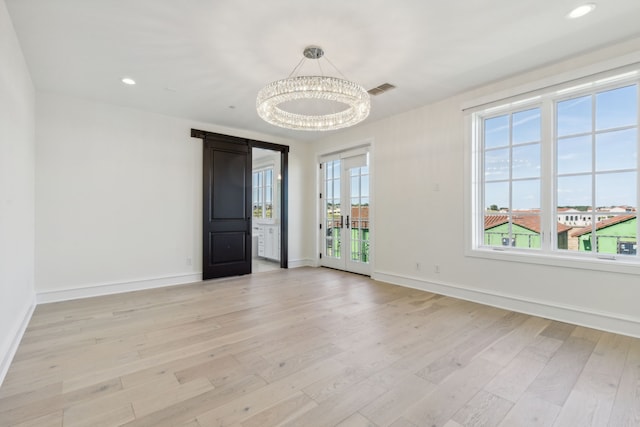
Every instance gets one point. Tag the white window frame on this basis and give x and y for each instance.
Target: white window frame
(262, 170)
(545, 96)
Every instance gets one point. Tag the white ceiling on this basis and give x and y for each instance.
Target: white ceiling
(206, 59)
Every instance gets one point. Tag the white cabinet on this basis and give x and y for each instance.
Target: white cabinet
(269, 241)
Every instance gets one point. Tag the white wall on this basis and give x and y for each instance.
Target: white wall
(16, 192)
(419, 183)
(118, 197)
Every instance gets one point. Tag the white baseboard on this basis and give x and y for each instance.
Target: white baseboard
(115, 288)
(295, 263)
(605, 321)
(10, 346)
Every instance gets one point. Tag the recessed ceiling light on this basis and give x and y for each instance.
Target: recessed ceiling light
(128, 81)
(581, 10)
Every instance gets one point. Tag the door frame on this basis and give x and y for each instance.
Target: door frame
(284, 200)
(367, 146)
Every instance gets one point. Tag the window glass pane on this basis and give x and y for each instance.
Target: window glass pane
(496, 131)
(364, 185)
(574, 155)
(617, 235)
(336, 168)
(617, 150)
(496, 195)
(526, 161)
(616, 189)
(617, 108)
(574, 191)
(496, 164)
(329, 189)
(355, 186)
(526, 126)
(526, 195)
(574, 116)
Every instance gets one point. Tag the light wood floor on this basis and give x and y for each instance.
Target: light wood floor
(313, 347)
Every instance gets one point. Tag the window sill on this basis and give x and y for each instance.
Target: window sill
(616, 265)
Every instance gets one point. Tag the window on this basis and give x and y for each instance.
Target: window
(263, 193)
(512, 179)
(557, 174)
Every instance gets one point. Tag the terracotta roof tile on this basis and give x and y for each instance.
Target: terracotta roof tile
(530, 222)
(603, 224)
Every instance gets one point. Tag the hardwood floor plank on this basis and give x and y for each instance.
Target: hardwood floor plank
(514, 379)
(356, 420)
(484, 409)
(591, 400)
(531, 411)
(339, 407)
(281, 412)
(269, 396)
(53, 419)
(452, 394)
(558, 377)
(384, 410)
(626, 407)
(190, 408)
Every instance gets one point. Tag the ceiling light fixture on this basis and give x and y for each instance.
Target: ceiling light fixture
(128, 81)
(581, 10)
(348, 102)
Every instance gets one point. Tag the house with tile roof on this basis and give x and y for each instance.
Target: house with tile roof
(524, 233)
(615, 235)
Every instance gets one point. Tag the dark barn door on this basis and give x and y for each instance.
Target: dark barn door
(227, 207)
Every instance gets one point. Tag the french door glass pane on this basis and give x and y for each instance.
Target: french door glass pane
(359, 215)
(332, 209)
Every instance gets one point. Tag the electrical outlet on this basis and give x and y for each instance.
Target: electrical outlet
(436, 269)
(417, 266)
(189, 261)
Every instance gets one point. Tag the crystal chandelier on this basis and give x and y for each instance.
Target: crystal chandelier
(349, 100)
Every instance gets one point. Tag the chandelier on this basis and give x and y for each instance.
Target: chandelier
(348, 101)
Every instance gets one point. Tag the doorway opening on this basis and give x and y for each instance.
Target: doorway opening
(345, 196)
(266, 222)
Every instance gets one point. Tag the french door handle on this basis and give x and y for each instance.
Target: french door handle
(347, 221)
(341, 221)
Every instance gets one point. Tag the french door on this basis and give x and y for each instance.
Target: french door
(346, 203)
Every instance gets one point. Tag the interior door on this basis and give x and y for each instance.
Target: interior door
(227, 207)
(346, 203)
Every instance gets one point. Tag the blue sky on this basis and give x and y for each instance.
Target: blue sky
(614, 149)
